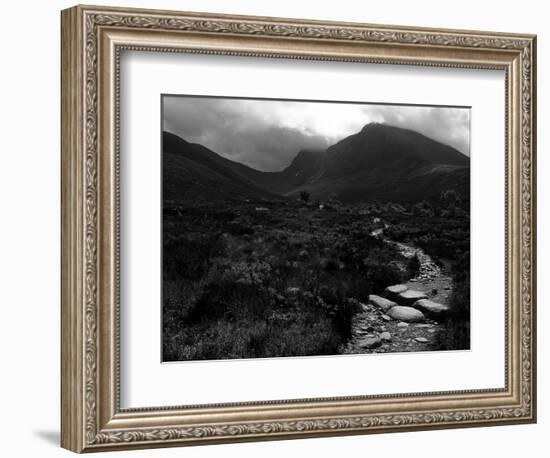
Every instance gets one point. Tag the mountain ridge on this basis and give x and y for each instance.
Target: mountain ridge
(379, 162)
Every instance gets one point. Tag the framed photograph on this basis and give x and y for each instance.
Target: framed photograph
(278, 228)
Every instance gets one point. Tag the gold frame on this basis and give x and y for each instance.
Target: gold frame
(92, 38)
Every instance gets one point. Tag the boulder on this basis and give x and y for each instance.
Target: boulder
(370, 342)
(410, 296)
(421, 339)
(381, 303)
(393, 291)
(385, 336)
(431, 309)
(406, 314)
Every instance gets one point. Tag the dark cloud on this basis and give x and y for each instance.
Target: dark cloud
(267, 134)
(226, 128)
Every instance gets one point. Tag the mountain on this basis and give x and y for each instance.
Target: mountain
(303, 167)
(192, 172)
(390, 164)
(382, 146)
(380, 162)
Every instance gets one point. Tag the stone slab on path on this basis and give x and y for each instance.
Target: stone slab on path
(431, 309)
(380, 302)
(410, 296)
(438, 289)
(406, 314)
(393, 291)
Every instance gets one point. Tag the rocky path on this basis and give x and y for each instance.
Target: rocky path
(408, 317)
(428, 268)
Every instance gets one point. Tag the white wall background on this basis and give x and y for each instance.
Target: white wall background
(29, 228)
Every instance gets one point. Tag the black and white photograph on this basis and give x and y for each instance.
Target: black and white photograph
(308, 228)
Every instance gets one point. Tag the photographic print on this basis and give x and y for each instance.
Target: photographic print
(307, 228)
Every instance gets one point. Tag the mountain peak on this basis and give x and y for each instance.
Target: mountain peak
(373, 125)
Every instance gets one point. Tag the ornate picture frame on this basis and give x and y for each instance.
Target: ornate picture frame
(92, 41)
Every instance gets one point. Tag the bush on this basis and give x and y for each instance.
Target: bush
(239, 283)
(456, 335)
(236, 228)
(304, 195)
(190, 258)
(382, 275)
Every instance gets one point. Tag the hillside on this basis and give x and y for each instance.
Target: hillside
(380, 162)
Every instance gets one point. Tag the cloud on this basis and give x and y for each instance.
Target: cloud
(267, 134)
(239, 130)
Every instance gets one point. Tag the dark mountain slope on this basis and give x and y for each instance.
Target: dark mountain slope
(380, 146)
(303, 167)
(192, 172)
(258, 183)
(391, 164)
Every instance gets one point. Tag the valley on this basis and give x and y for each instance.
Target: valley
(297, 262)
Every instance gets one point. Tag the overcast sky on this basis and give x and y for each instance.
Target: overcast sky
(267, 134)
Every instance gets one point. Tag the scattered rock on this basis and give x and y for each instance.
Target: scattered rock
(385, 336)
(293, 290)
(430, 308)
(262, 209)
(366, 308)
(394, 290)
(407, 314)
(372, 329)
(381, 303)
(410, 296)
(370, 342)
